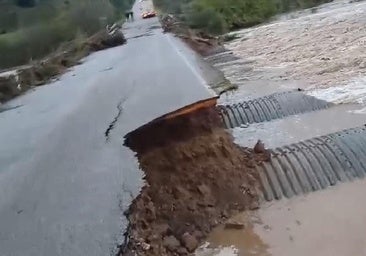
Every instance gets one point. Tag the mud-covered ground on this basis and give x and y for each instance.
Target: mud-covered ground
(323, 47)
(196, 178)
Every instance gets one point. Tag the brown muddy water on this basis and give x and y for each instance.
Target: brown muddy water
(321, 51)
(326, 223)
(241, 242)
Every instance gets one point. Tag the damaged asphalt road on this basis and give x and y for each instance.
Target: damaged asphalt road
(115, 120)
(62, 186)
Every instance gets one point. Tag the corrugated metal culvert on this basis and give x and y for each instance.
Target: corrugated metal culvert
(314, 164)
(270, 107)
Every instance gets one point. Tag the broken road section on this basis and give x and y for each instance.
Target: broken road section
(196, 178)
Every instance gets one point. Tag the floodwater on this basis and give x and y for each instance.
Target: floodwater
(324, 223)
(322, 51)
(353, 92)
(324, 48)
(331, 222)
(240, 242)
(296, 128)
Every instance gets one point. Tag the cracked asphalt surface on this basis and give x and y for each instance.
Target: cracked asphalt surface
(63, 187)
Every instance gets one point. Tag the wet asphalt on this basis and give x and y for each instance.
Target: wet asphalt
(65, 177)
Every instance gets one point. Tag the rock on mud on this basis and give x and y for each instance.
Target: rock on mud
(234, 225)
(171, 243)
(190, 242)
(104, 40)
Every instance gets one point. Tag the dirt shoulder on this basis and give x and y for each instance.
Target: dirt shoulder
(202, 43)
(15, 83)
(196, 178)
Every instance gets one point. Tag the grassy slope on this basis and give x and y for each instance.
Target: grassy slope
(42, 29)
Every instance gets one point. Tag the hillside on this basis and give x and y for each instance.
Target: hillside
(32, 29)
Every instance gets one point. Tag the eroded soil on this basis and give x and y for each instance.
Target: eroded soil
(196, 178)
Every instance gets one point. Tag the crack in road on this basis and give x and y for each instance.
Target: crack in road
(122, 247)
(9, 108)
(113, 123)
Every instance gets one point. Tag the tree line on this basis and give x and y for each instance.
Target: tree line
(219, 16)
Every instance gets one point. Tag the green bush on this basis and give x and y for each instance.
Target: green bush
(242, 13)
(207, 19)
(8, 22)
(171, 6)
(87, 15)
(12, 49)
(33, 16)
(217, 16)
(34, 42)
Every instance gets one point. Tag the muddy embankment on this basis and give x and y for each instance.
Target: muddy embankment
(15, 83)
(196, 178)
(201, 42)
(204, 45)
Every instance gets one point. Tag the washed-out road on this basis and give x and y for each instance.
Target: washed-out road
(65, 176)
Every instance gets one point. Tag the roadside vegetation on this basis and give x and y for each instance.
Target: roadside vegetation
(219, 16)
(31, 29)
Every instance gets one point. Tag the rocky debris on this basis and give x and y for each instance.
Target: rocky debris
(234, 225)
(259, 148)
(196, 178)
(111, 29)
(162, 229)
(189, 241)
(8, 88)
(104, 40)
(202, 43)
(255, 204)
(40, 73)
(145, 246)
(199, 41)
(170, 23)
(171, 243)
(26, 78)
(182, 251)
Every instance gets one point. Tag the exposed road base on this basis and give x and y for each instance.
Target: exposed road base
(196, 178)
